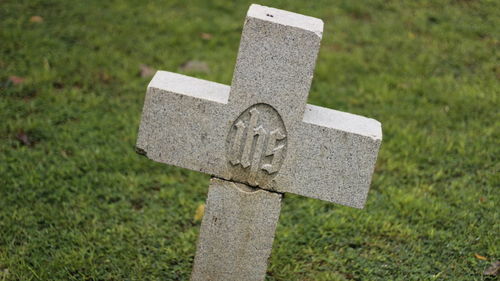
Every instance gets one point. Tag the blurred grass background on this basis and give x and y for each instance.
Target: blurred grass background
(77, 203)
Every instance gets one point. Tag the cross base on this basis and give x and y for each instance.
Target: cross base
(237, 232)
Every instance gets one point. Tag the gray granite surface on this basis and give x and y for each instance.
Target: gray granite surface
(260, 131)
(237, 232)
(260, 139)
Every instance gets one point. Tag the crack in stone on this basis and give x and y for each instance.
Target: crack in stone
(253, 188)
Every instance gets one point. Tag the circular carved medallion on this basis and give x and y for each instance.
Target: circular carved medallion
(256, 145)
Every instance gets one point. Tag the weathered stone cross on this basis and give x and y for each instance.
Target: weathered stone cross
(258, 139)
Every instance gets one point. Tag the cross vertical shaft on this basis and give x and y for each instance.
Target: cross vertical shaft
(237, 232)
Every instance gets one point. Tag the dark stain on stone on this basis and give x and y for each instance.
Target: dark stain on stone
(141, 151)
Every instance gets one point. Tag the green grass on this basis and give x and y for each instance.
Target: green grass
(80, 204)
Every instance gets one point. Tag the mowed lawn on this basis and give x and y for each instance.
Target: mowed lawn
(77, 203)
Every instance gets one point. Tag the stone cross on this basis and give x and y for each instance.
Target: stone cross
(258, 139)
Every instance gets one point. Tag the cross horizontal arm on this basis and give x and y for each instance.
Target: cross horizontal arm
(335, 156)
(181, 122)
(331, 154)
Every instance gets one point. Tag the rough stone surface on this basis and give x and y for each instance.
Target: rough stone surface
(260, 131)
(236, 233)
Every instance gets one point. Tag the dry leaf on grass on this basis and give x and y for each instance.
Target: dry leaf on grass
(146, 71)
(23, 138)
(493, 270)
(104, 77)
(16, 80)
(195, 66)
(206, 36)
(36, 19)
(478, 256)
(200, 211)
